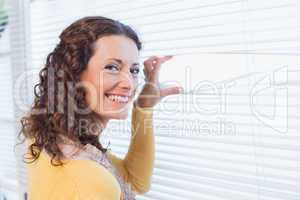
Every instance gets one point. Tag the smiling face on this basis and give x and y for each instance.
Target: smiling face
(111, 76)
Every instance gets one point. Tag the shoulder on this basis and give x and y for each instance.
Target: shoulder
(83, 178)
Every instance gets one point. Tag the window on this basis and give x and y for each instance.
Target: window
(233, 134)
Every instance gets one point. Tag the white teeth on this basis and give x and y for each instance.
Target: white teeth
(120, 99)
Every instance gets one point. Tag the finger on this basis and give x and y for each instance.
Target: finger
(151, 58)
(161, 60)
(152, 67)
(149, 76)
(148, 66)
(166, 58)
(157, 66)
(149, 63)
(170, 91)
(155, 61)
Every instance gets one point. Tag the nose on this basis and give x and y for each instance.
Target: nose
(126, 82)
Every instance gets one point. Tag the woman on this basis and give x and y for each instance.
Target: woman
(89, 78)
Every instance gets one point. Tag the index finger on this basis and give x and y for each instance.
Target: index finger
(164, 59)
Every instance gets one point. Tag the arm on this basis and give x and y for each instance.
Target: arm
(137, 166)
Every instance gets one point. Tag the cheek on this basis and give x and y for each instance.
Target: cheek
(97, 86)
(104, 82)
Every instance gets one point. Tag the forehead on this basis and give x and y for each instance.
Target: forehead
(116, 46)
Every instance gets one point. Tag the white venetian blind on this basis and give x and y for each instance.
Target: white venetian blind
(14, 57)
(10, 63)
(234, 133)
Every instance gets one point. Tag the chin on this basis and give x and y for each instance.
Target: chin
(118, 116)
(121, 116)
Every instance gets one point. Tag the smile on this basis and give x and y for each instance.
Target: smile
(117, 98)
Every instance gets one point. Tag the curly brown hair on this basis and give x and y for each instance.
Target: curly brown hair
(50, 116)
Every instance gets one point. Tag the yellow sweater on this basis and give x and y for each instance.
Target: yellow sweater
(88, 180)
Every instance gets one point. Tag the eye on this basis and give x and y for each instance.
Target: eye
(135, 70)
(111, 67)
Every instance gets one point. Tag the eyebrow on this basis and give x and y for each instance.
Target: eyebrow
(121, 62)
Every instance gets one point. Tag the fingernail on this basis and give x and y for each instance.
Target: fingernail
(180, 89)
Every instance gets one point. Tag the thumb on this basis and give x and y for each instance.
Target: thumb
(170, 91)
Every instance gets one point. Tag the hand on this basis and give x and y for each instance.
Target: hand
(151, 93)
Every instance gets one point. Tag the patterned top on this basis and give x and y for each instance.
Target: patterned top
(92, 153)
